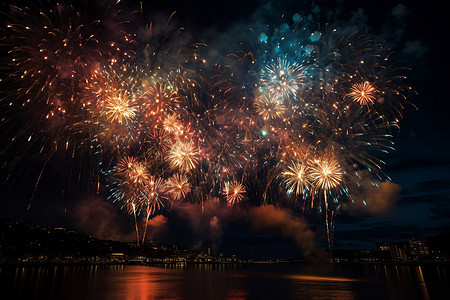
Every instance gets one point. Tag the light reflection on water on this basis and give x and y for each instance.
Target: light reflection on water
(313, 281)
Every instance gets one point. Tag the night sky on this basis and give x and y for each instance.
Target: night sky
(420, 165)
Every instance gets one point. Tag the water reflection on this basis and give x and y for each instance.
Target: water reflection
(226, 282)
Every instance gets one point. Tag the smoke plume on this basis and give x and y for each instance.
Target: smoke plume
(276, 220)
(103, 220)
(378, 201)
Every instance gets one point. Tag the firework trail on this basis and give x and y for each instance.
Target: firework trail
(153, 200)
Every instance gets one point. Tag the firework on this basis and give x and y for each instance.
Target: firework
(157, 143)
(296, 177)
(134, 170)
(269, 108)
(326, 173)
(282, 79)
(178, 186)
(128, 180)
(120, 107)
(363, 93)
(153, 196)
(160, 99)
(183, 155)
(154, 189)
(233, 192)
(114, 105)
(171, 124)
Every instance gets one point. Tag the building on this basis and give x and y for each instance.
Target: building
(418, 248)
(413, 249)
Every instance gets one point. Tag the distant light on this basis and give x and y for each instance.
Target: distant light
(263, 37)
(296, 17)
(315, 36)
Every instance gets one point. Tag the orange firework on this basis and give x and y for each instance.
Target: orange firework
(363, 93)
(119, 107)
(326, 173)
(171, 124)
(153, 193)
(134, 170)
(161, 97)
(269, 108)
(297, 177)
(183, 156)
(234, 192)
(178, 186)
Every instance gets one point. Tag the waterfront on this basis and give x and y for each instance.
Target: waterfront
(249, 281)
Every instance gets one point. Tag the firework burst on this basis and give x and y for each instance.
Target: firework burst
(171, 124)
(120, 107)
(282, 79)
(178, 186)
(234, 192)
(297, 177)
(363, 93)
(326, 173)
(269, 108)
(134, 170)
(183, 155)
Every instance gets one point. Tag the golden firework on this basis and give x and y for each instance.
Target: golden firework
(363, 93)
(171, 124)
(161, 97)
(153, 191)
(119, 107)
(269, 108)
(183, 155)
(326, 173)
(234, 192)
(178, 186)
(296, 177)
(134, 170)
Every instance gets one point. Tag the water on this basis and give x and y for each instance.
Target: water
(313, 281)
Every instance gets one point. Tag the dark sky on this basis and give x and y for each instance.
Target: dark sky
(420, 164)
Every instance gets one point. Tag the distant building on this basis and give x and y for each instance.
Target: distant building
(418, 248)
(413, 249)
(117, 257)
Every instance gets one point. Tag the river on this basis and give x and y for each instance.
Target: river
(251, 281)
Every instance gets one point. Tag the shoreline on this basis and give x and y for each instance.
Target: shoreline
(185, 264)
